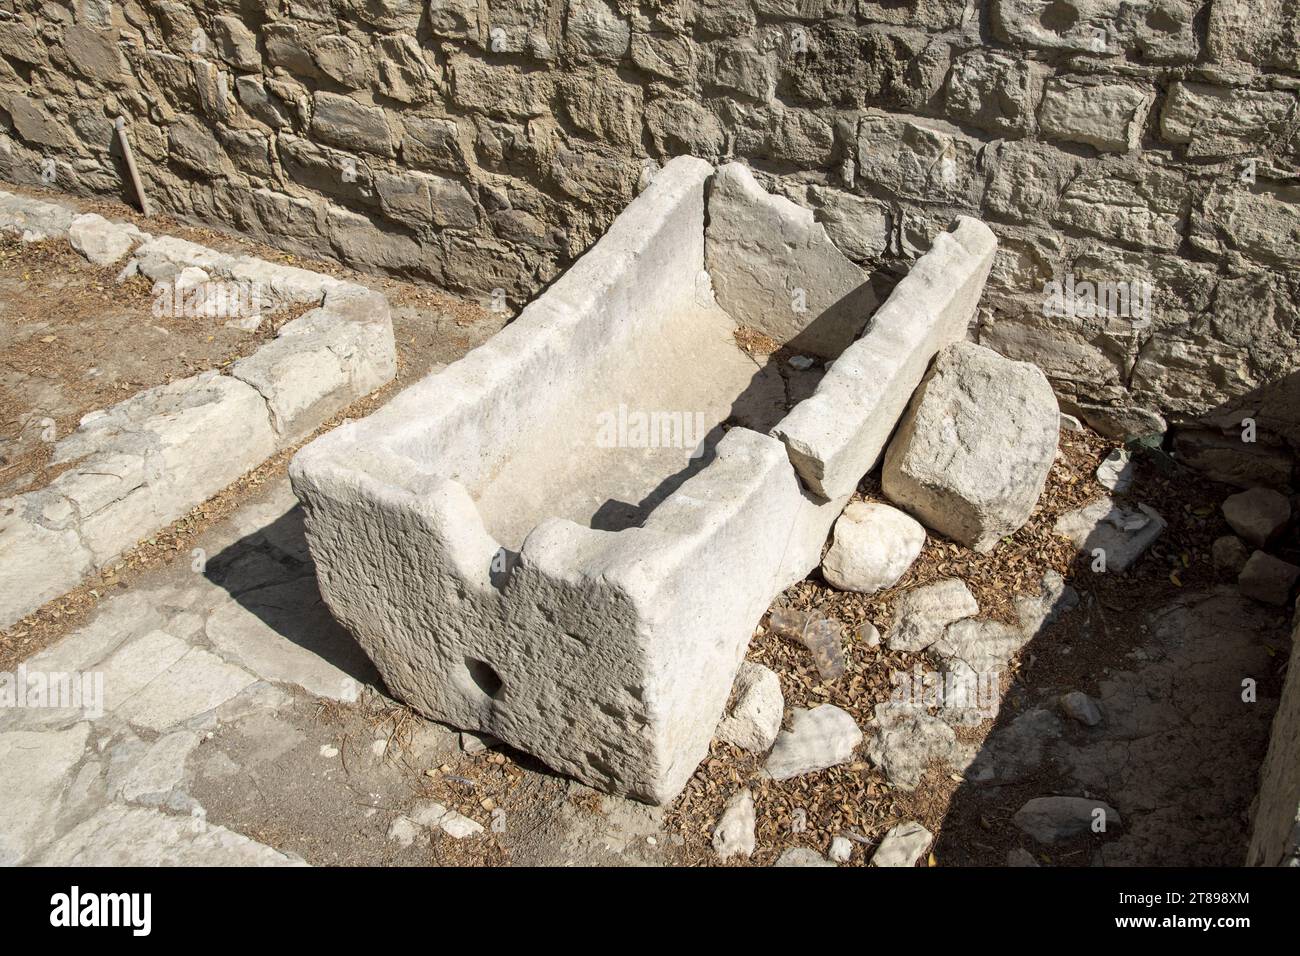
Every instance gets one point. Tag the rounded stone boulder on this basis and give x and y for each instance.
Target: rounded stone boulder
(972, 453)
(873, 545)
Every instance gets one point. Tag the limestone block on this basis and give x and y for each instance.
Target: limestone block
(322, 361)
(973, 450)
(1109, 116)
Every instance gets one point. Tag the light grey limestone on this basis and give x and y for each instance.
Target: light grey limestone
(903, 845)
(31, 789)
(101, 241)
(774, 268)
(922, 614)
(1112, 533)
(138, 836)
(872, 546)
(734, 834)
(903, 740)
(495, 484)
(819, 738)
(148, 460)
(801, 856)
(754, 719)
(323, 361)
(972, 453)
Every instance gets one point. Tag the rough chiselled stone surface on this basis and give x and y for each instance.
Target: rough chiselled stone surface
(972, 453)
(836, 437)
(513, 539)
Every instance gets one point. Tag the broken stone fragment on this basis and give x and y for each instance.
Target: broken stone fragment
(755, 718)
(983, 646)
(1268, 579)
(429, 814)
(1257, 515)
(819, 738)
(1115, 473)
(1120, 534)
(922, 614)
(841, 850)
(1050, 819)
(1080, 707)
(903, 845)
(734, 834)
(1230, 554)
(403, 832)
(473, 743)
(801, 856)
(873, 545)
(905, 740)
(100, 241)
(974, 448)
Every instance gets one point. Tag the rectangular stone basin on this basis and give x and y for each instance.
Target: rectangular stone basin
(564, 539)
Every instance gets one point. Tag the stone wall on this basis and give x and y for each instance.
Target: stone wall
(484, 144)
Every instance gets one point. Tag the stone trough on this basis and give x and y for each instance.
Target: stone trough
(565, 540)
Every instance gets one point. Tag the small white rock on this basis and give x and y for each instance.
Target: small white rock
(458, 826)
(329, 752)
(402, 831)
(1116, 471)
(755, 718)
(872, 546)
(819, 738)
(801, 856)
(903, 845)
(734, 834)
(1079, 706)
(841, 850)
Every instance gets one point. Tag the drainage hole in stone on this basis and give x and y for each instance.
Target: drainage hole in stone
(484, 677)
